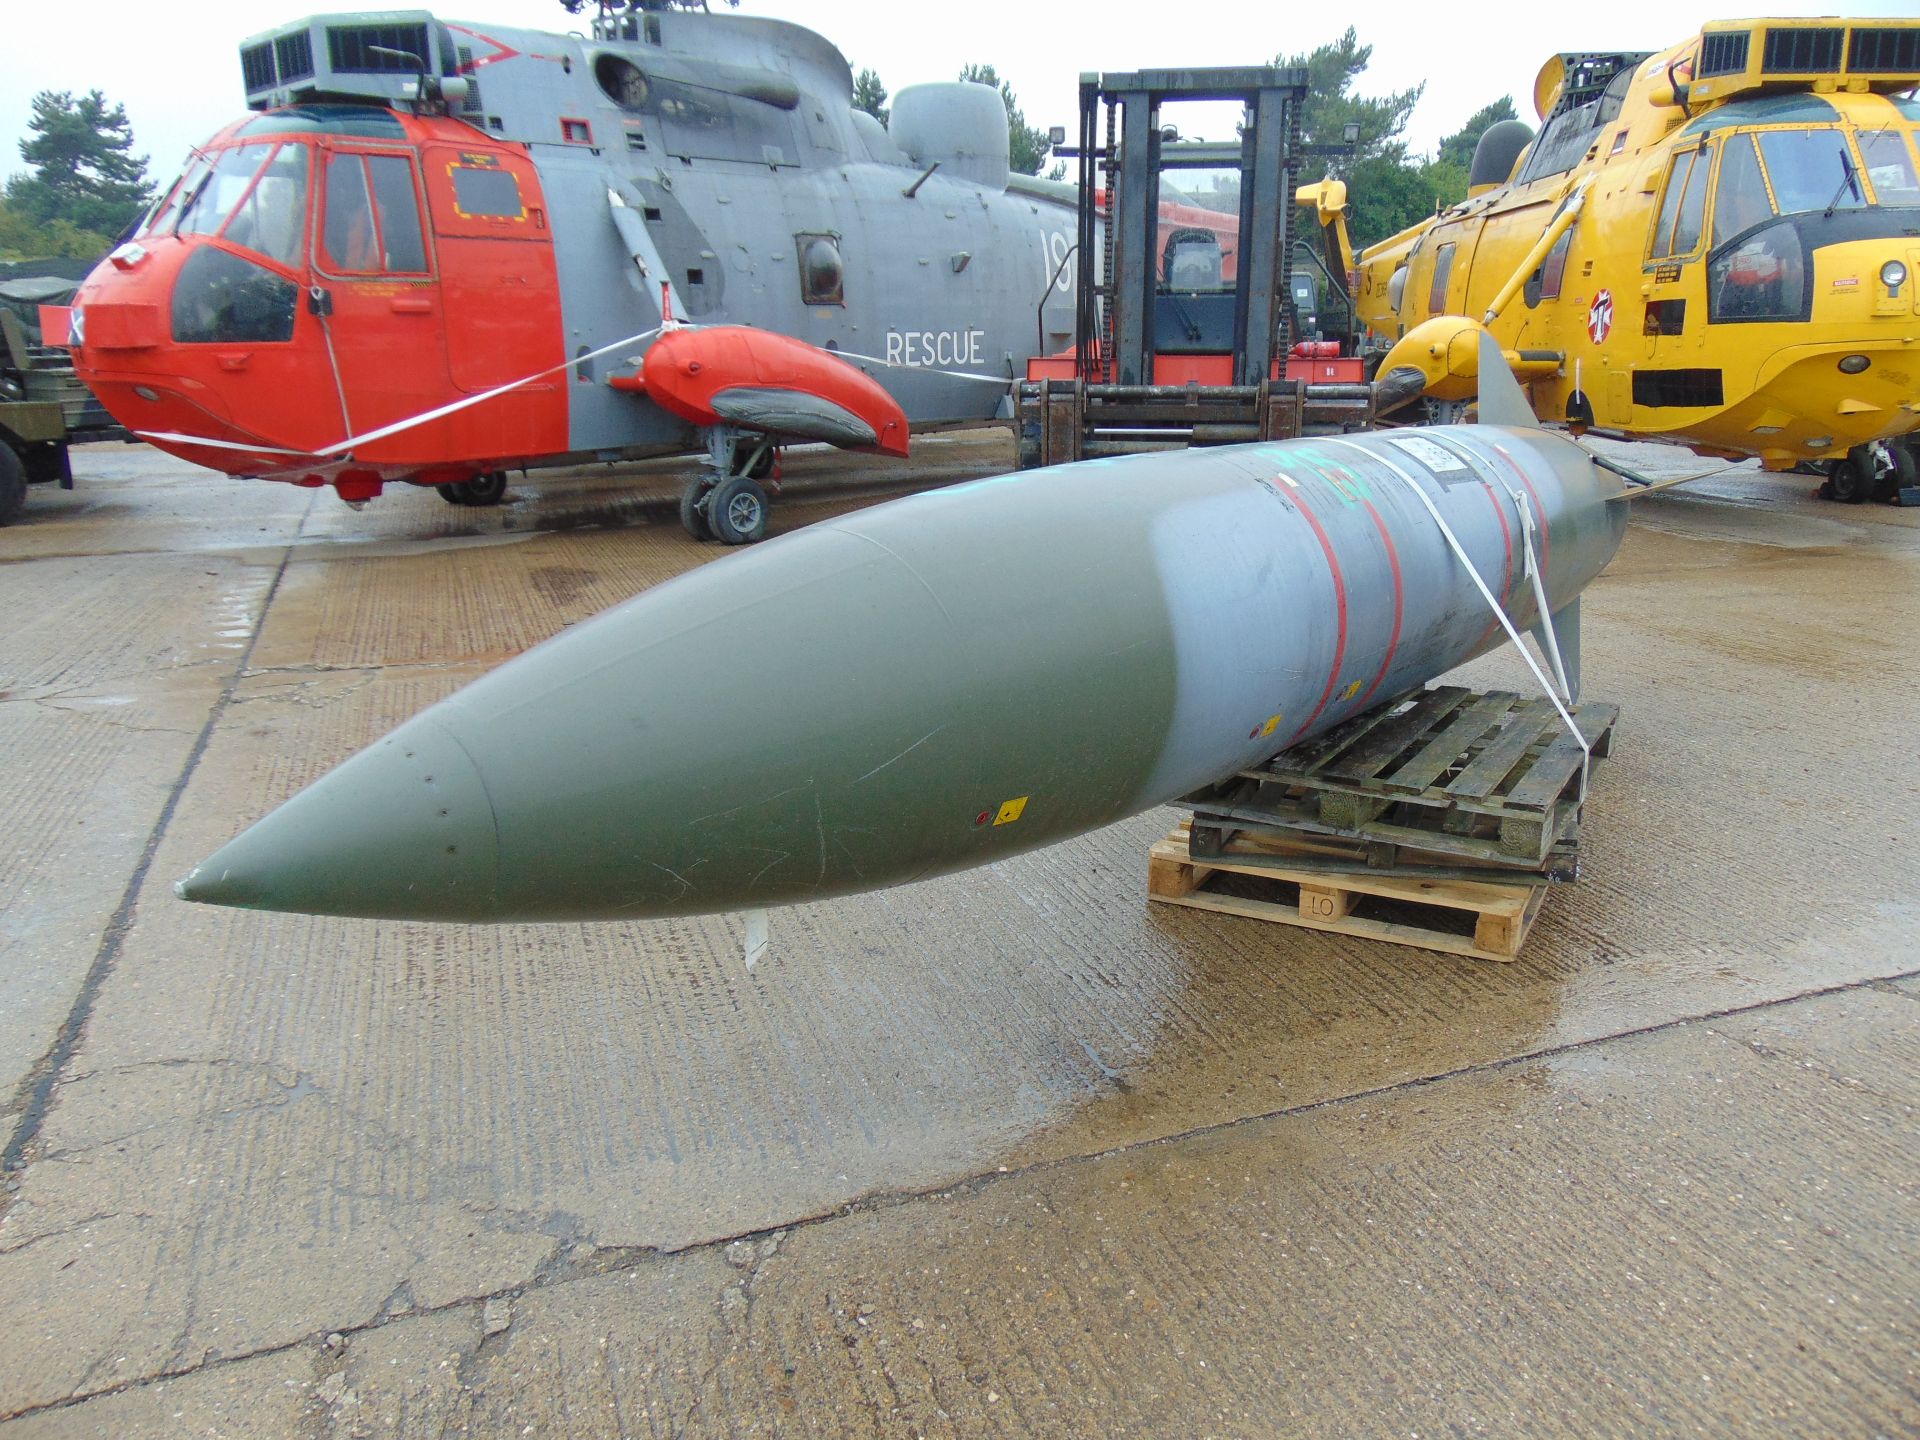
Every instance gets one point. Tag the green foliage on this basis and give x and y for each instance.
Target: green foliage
(1457, 148)
(1387, 189)
(1026, 146)
(1332, 105)
(1447, 180)
(870, 95)
(22, 239)
(1385, 194)
(83, 176)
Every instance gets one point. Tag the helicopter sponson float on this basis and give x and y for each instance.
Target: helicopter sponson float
(438, 251)
(1717, 244)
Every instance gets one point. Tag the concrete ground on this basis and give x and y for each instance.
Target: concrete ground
(1009, 1153)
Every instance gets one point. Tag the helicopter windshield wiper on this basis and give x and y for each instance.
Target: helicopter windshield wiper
(1849, 180)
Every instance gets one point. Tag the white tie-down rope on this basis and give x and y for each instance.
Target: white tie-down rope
(1523, 505)
(412, 421)
(1499, 613)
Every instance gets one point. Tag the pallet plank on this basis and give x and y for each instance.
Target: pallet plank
(1503, 914)
(1561, 760)
(1381, 747)
(1310, 756)
(1485, 772)
(1454, 894)
(1433, 759)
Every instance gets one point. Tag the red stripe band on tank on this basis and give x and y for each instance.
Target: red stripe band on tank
(1475, 461)
(1506, 579)
(1546, 535)
(1340, 603)
(1399, 597)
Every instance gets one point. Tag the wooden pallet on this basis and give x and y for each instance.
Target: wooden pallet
(1503, 914)
(1487, 779)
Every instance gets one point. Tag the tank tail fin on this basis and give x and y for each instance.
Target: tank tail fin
(1502, 401)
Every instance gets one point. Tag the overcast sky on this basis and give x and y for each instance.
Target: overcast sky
(177, 70)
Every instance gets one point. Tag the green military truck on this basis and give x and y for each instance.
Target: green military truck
(43, 406)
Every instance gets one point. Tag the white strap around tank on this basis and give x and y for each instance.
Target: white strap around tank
(1499, 613)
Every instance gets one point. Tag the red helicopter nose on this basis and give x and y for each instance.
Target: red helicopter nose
(121, 334)
(310, 285)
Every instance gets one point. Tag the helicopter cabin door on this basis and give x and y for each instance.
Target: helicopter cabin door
(373, 287)
(1674, 283)
(490, 227)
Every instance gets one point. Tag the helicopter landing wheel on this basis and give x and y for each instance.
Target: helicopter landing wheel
(1877, 470)
(1853, 479)
(693, 507)
(487, 489)
(737, 511)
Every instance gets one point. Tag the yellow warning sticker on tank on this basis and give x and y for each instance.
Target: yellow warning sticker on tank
(1011, 811)
(1273, 724)
(1351, 691)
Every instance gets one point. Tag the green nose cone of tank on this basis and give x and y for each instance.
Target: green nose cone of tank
(858, 705)
(404, 828)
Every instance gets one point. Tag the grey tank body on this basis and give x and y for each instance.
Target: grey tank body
(938, 682)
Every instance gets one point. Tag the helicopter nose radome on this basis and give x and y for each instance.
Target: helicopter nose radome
(433, 850)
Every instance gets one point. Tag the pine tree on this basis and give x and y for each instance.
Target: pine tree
(1331, 106)
(84, 171)
(870, 95)
(1457, 148)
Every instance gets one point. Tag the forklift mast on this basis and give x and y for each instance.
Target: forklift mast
(1123, 319)
(1185, 307)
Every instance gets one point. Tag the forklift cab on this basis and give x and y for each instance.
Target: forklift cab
(1194, 303)
(1194, 234)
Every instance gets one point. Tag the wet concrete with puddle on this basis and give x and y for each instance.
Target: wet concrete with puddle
(1004, 1153)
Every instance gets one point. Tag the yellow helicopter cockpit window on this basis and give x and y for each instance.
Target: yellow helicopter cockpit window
(1740, 200)
(1889, 166)
(1683, 206)
(1811, 170)
(1808, 170)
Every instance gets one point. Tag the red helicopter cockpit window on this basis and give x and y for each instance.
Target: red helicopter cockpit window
(175, 194)
(203, 209)
(254, 197)
(372, 222)
(271, 217)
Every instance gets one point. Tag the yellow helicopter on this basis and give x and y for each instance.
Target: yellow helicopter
(1717, 244)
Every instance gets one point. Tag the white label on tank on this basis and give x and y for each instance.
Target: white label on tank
(1436, 458)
